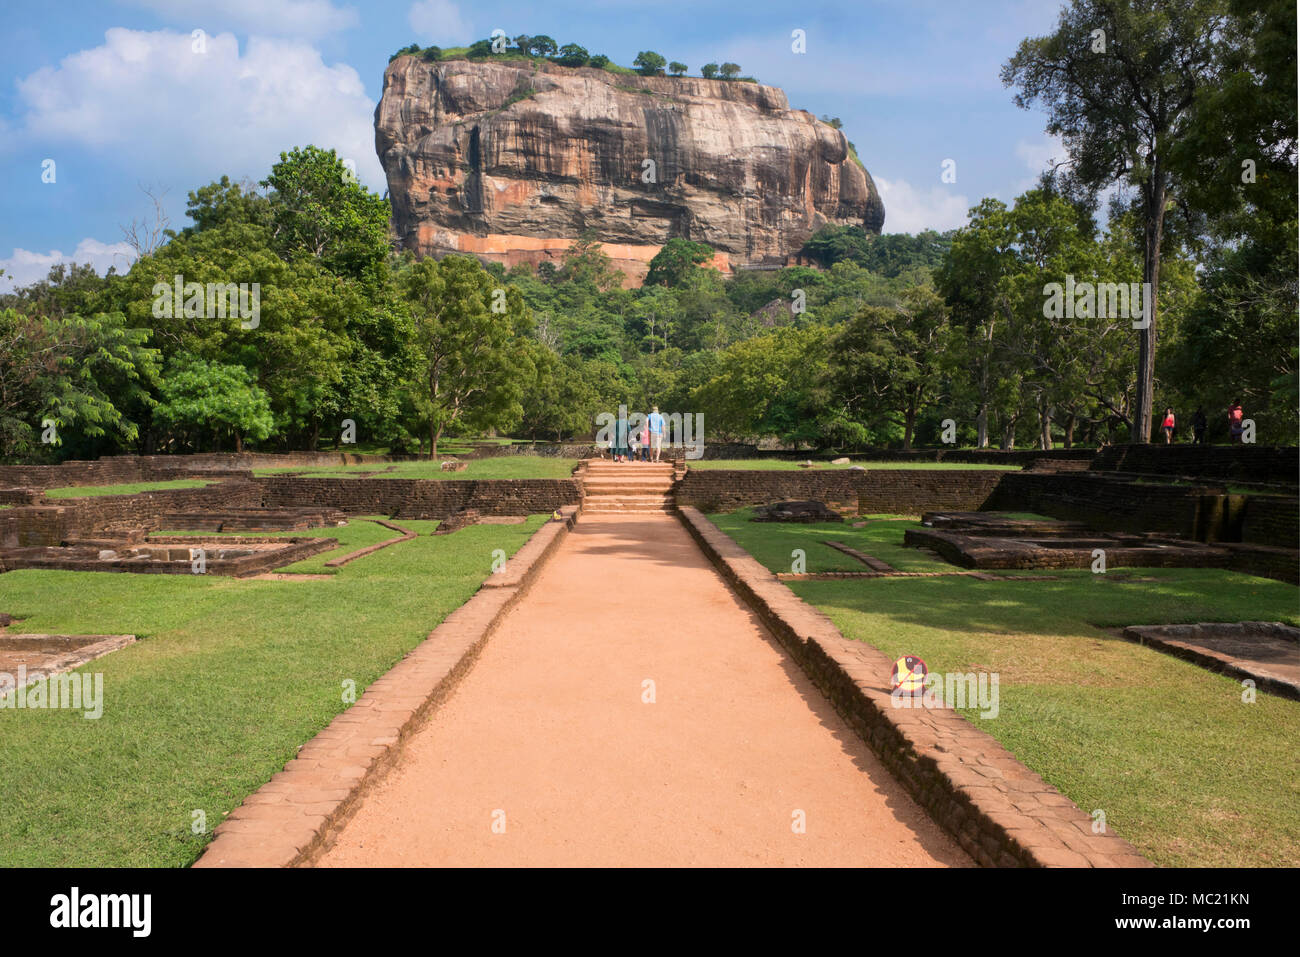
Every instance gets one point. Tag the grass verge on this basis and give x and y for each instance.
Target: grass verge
(229, 678)
(1181, 765)
(130, 488)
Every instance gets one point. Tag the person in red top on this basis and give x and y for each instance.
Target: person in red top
(1234, 421)
(1168, 425)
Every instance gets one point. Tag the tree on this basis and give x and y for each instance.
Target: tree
(572, 55)
(470, 359)
(676, 68)
(199, 397)
(768, 385)
(1118, 79)
(675, 260)
(600, 61)
(585, 262)
(649, 63)
(542, 46)
(729, 71)
(79, 371)
(890, 360)
(320, 208)
(709, 71)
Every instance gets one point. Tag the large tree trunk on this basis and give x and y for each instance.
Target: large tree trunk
(1044, 426)
(909, 422)
(1155, 225)
(1069, 430)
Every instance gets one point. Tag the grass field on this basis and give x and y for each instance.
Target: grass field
(786, 465)
(1182, 767)
(131, 488)
(500, 467)
(228, 679)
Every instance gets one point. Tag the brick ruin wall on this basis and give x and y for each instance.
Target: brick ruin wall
(56, 522)
(1243, 463)
(901, 491)
(423, 498)
(1200, 514)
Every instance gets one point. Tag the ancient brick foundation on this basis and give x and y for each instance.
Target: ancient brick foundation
(902, 491)
(422, 498)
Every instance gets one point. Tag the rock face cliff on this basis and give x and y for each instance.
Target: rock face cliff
(511, 160)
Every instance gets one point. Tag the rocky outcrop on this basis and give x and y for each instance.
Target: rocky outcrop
(511, 160)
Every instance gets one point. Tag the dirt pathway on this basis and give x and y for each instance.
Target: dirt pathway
(547, 754)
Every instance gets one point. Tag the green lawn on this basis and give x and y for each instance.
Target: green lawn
(500, 467)
(229, 678)
(772, 542)
(786, 465)
(1182, 767)
(131, 488)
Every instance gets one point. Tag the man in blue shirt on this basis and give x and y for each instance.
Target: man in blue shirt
(656, 423)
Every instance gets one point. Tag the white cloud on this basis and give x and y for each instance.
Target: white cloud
(301, 18)
(909, 210)
(25, 267)
(440, 22)
(1038, 156)
(182, 119)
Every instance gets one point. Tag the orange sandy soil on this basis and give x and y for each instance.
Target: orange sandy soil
(549, 735)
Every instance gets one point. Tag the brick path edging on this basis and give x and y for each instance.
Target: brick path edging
(292, 818)
(999, 811)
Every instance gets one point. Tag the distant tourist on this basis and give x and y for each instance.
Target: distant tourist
(656, 426)
(1234, 421)
(1198, 426)
(634, 442)
(620, 440)
(1168, 425)
(645, 441)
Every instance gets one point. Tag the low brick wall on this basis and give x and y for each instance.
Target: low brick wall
(1246, 463)
(1002, 813)
(1271, 520)
(903, 491)
(120, 469)
(54, 522)
(1106, 502)
(422, 498)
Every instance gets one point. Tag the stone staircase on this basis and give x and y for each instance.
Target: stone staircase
(621, 487)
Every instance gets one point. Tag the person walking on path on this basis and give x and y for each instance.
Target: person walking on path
(1234, 420)
(1168, 425)
(656, 426)
(1198, 426)
(620, 440)
(645, 441)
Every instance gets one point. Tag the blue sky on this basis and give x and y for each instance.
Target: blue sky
(115, 95)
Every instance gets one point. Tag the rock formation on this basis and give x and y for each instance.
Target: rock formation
(510, 160)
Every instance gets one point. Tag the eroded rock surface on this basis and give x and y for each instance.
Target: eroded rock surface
(510, 161)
